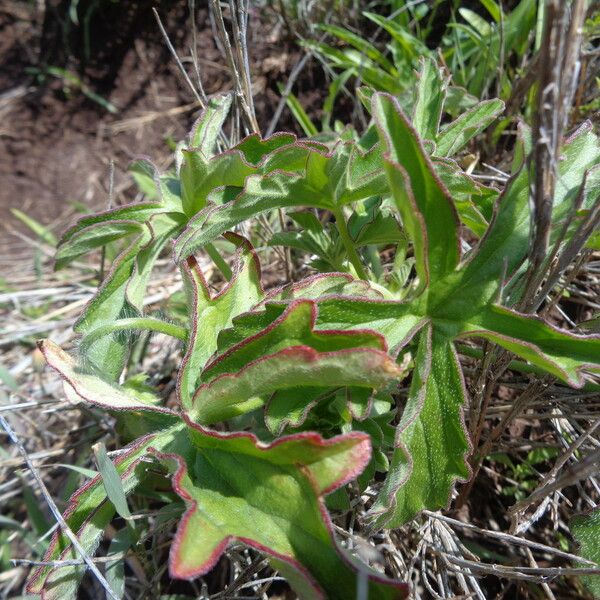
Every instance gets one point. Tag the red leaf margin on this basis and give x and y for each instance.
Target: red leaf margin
(291, 306)
(195, 277)
(362, 458)
(43, 347)
(33, 583)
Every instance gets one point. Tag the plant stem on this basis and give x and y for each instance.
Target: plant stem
(219, 261)
(375, 261)
(147, 323)
(353, 256)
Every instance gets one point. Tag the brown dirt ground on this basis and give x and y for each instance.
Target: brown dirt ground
(56, 145)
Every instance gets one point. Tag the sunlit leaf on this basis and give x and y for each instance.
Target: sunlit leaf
(269, 498)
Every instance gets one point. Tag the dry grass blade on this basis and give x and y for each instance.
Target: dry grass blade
(177, 59)
(237, 61)
(507, 537)
(55, 512)
(534, 574)
(557, 81)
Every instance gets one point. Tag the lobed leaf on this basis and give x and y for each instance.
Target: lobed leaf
(88, 514)
(233, 394)
(290, 353)
(431, 440)
(269, 497)
(398, 322)
(219, 176)
(327, 181)
(294, 327)
(276, 300)
(209, 314)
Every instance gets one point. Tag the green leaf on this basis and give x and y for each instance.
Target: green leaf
(473, 201)
(586, 530)
(88, 473)
(298, 111)
(396, 321)
(322, 285)
(114, 570)
(209, 314)
(412, 47)
(427, 212)
(328, 181)
(257, 150)
(563, 354)
(325, 245)
(94, 231)
(269, 498)
(360, 44)
(200, 175)
(92, 389)
(458, 301)
(40, 230)
(40, 521)
(88, 514)
(122, 290)
(111, 481)
(431, 441)
(207, 128)
(290, 353)
(504, 247)
(480, 25)
(357, 63)
(456, 135)
(374, 226)
(290, 407)
(493, 8)
(307, 220)
(223, 175)
(276, 301)
(335, 86)
(430, 96)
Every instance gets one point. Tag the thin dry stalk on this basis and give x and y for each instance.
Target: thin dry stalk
(558, 73)
(177, 59)
(236, 63)
(55, 512)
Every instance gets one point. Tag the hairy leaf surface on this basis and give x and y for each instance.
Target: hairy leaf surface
(269, 498)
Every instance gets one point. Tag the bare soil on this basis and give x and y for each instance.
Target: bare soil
(57, 145)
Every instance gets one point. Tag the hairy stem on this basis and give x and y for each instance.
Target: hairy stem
(145, 323)
(219, 261)
(353, 256)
